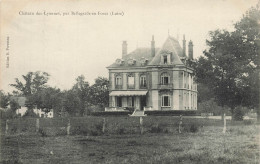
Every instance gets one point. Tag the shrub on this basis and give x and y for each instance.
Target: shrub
(42, 132)
(120, 131)
(77, 130)
(172, 113)
(238, 114)
(156, 129)
(13, 129)
(103, 113)
(248, 122)
(30, 113)
(193, 128)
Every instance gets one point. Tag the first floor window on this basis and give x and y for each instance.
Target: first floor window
(165, 78)
(166, 101)
(131, 81)
(118, 80)
(143, 81)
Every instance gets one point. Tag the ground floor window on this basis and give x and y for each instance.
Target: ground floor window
(166, 101)
(130, 101)
(119, 101)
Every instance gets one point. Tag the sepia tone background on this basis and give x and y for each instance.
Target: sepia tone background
(68, 46)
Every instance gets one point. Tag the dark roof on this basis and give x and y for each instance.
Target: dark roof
(170, 45)
(137, 55)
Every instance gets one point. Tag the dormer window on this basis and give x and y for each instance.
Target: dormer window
(165, 59)
(131, 61)
(143, 61)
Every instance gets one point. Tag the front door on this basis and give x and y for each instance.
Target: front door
(143, 102)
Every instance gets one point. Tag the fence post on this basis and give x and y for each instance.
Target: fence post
(68, 128)
(141, 125)
(225, 123)
(6, 126)
(37, 125)
(180, 124)
(104, 125)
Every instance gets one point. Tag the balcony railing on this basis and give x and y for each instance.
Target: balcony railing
(118, 86)
(165, 86)
(143, 86)
(131, 86)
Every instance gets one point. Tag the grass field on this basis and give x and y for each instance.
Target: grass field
(208, 145)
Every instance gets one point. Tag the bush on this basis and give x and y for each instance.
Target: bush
(30, 113)
(120, 131)
(193, 128)
(156, 129)
(42, 132)
(248, 122)
(121, 113)
(96, 130)
(238, 114)
(172, 113)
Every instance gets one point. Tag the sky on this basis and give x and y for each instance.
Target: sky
(66, 45)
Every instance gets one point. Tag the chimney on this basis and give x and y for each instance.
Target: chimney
(124, 48)
(190, 50)
(184, 46)
(152, 47)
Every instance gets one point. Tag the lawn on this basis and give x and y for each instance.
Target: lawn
(208, 145)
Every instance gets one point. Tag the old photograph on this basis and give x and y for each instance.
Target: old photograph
(119, 81)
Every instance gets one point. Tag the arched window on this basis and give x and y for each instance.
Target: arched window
(165, 78)
(143, 81)
(131, 81)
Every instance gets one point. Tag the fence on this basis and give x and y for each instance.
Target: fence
(104, 125)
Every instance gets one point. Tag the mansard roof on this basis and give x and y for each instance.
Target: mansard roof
(138, 56)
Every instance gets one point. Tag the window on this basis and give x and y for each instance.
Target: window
(166, 101)
(165, 59)
(131, 81)
(143, 81)
(130, 101)
(118, 80)
(165, 78)
(119, 101)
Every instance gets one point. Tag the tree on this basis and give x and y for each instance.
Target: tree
(100, 92)
(33, 82)
(46, 99)
(14, 105)
(4, 99)
(71, 102)
(82, 91)
(230, 67)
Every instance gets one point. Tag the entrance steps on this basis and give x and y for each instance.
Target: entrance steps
(138, 113)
